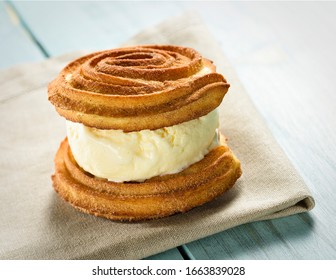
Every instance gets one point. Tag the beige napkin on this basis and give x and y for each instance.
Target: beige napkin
(36, 224)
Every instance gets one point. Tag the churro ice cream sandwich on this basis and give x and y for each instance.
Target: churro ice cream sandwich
(143, 138)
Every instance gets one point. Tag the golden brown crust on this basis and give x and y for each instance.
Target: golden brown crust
(157, 197)
(136, 88)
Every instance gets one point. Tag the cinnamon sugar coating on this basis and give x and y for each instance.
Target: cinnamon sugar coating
(155, 198)
(136, 88)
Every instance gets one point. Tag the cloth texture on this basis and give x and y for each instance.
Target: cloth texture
(35, 223)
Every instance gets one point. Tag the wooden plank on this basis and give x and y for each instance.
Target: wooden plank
(284, 55)
(88, 25)
(286, 238)
(16, 45)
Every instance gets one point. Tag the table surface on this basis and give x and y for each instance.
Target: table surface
(284, 54)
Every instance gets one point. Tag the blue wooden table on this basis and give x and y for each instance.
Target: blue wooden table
(284, 54)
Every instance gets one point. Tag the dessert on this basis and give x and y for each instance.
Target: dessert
(142, 133)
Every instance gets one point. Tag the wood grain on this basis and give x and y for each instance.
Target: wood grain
(284, 55)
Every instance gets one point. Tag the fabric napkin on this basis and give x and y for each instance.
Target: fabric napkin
(36, 224)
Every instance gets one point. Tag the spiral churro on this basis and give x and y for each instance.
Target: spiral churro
(137, 88)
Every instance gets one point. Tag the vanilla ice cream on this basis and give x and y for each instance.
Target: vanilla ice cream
(136, 156)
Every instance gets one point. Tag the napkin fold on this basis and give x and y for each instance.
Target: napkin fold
(36, 224)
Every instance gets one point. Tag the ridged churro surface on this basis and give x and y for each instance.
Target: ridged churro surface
(157, 197)
(136, 88)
